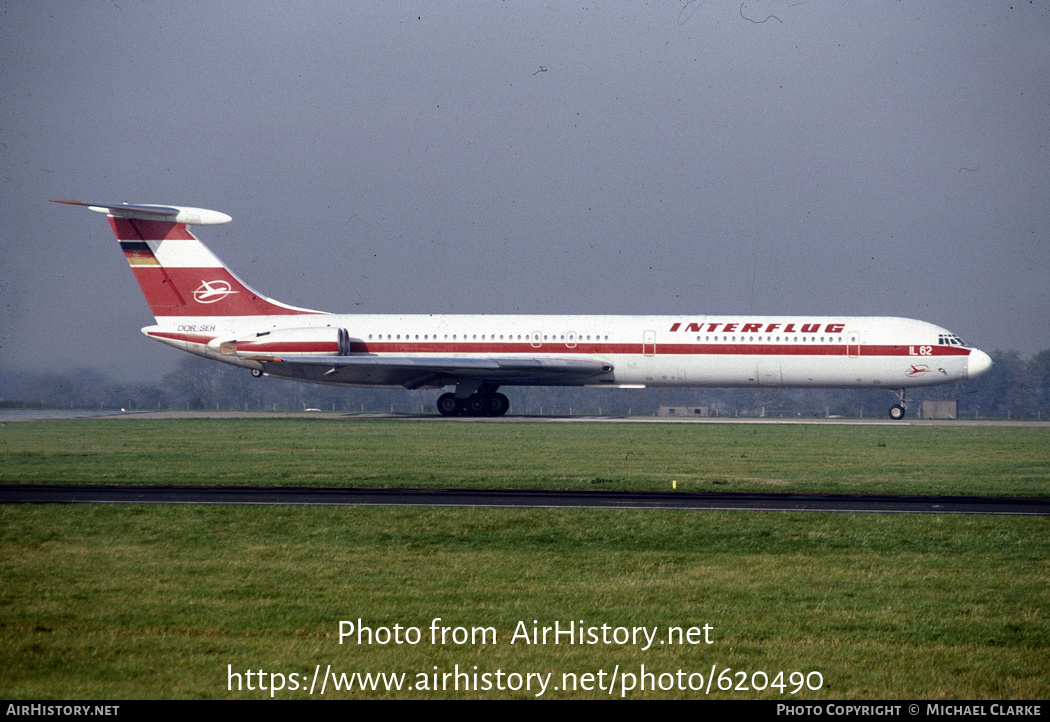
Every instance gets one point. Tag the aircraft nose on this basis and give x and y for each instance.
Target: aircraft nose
(979, 363)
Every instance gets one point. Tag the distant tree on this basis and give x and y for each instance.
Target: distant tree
(1005, 390)
(1039, 378)
(1014, 387)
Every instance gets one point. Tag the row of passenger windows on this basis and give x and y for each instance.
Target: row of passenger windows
(595, 337)
(484, 337)
(770, 339)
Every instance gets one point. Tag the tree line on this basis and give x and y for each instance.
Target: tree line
(1014, 388)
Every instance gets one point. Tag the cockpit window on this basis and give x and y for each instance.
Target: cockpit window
(950, 339)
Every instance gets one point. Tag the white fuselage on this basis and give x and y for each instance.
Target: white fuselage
(791, 351)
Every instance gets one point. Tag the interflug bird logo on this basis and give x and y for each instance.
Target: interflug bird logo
(917, 370)
(212, 291)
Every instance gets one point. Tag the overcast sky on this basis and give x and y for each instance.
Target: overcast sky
(774, 157)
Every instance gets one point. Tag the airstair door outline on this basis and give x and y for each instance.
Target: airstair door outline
(769, 372)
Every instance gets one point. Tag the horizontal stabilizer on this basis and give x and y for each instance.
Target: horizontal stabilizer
(148, 212)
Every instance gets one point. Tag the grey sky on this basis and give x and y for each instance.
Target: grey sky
(665, 157)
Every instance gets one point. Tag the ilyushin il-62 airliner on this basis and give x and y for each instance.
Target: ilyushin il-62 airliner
(202, 307)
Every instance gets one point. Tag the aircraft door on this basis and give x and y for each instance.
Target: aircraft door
(649, 343)
(853, 344)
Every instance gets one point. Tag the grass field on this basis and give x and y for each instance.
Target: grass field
(155, 601)
(724, 457)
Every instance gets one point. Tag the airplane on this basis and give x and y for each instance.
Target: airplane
(202, 307)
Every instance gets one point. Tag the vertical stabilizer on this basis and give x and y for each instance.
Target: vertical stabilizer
(177, 273)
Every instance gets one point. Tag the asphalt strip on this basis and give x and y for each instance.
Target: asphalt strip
(507, 498)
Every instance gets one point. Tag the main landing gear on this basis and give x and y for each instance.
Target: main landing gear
(479, 403)
(897, 411)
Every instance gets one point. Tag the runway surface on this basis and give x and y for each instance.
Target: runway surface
(310, 496)
(25, 415)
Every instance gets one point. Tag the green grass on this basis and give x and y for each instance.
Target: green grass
(101, 601)
(723, 457)
(125, 601)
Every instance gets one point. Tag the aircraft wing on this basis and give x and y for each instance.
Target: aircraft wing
(414, 372)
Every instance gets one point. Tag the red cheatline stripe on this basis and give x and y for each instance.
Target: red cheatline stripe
(188, 337)
(665, 349)
(291, 347)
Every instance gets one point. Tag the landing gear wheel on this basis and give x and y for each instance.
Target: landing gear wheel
(257, 373)
(476, 405)
(449, 405)
(498, 405)
(897, 412)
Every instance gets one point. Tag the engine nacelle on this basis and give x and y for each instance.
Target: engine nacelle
(314, 341)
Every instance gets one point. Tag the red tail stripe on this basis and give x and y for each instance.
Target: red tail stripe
(161, 294)
(135, 229)
(173, 291)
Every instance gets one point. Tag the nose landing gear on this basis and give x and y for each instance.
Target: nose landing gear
(897, 411)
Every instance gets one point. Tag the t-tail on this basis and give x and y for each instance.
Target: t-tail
(177, 273)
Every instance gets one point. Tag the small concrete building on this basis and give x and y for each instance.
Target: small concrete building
(940, 409)
(692, 411)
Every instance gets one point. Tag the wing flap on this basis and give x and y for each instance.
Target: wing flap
(415, 372)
